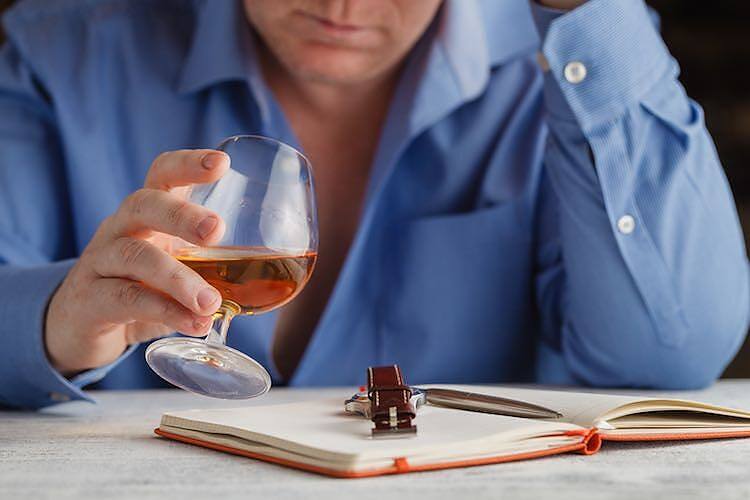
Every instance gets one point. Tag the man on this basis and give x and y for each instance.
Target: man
(487, 213)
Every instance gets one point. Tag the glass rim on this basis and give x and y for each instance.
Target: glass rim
(265, 138)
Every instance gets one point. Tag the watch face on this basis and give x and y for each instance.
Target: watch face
(359, 404)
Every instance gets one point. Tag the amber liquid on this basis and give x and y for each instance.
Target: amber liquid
(250, 280)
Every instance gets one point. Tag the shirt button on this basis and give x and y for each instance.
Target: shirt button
(626, 224)
(59, 397)
(575, 72)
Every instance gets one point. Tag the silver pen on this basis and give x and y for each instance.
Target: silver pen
(485, 403)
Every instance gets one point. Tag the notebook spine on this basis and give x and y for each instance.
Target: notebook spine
(592, 441)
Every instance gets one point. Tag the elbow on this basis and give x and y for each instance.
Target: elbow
(709, 344)
(684, 371)
(714, 333)
(631, 347)
(715, 313)
(637, 358)
(715, 324)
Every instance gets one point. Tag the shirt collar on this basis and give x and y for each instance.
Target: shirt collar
(452, 64)
(477, 35)
(509, 28)
(223, 50)
(220, 48)
(474, 35)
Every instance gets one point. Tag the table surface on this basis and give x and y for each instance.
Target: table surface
(78, 450)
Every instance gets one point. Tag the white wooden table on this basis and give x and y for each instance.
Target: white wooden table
(108, 450)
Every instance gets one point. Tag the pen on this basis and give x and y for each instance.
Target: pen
(486, 403)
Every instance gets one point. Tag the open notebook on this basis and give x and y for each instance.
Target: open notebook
(319, 436)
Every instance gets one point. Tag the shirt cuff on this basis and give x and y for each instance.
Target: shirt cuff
(603, 57)
(27, 379)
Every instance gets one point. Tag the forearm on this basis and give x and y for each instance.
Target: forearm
(655, 289)
(662, 306)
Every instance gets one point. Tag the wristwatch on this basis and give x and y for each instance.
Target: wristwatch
(391, 409)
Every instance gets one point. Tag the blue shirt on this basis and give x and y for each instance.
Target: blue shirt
(567, 225)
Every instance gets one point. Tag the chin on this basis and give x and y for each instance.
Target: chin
(330, 76)
(334, 66)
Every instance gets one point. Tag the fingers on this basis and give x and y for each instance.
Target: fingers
(124, 301)
(140, 281)
(139, 261)
(185, 167)
(152, 210)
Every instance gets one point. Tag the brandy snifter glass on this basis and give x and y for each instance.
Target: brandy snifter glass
(265, 258)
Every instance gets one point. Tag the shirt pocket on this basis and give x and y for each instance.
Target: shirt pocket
(459, 298)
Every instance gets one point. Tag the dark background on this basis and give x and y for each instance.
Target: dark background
(710, 40)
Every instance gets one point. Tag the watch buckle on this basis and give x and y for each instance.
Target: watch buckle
(393, 430)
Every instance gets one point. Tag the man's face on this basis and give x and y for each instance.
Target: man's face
(340, 41)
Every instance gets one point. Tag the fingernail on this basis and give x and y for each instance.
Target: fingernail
(212, 160)
(201, 324)
(208, 297)
(206, 226)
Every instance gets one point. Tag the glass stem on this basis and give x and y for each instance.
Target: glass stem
(222, 318)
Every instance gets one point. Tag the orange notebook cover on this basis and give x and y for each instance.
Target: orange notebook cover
(318, 436)
(588, 445)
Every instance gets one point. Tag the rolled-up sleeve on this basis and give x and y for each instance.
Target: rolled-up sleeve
(645, 266)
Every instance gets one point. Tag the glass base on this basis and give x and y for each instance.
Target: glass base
(212, 370)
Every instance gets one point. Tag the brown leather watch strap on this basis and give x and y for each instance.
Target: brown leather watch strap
(390, 407)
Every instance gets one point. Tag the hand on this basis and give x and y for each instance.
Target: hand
(125, 287)
(562, 4)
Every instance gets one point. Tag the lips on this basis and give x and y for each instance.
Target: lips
(327, 31)
(337, 27)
